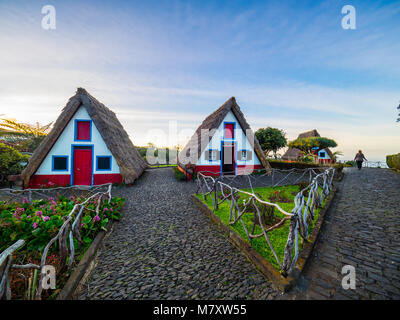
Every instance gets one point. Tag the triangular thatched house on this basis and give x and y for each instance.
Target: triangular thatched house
(323, 156)
(223, 144)
(87, 146)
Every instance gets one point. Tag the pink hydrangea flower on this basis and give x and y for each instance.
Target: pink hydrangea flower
(35, 225)
(39, 213)
(24, 200)
(29, 217)
(96, 218)
(46, 218)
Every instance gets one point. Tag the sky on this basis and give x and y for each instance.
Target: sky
(163, 66)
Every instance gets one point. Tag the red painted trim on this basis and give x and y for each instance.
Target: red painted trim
(83, 130)
(247, 169)
(107, 178)
(215, 170)
(47, 180)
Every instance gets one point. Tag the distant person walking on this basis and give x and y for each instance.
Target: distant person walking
(359, 158)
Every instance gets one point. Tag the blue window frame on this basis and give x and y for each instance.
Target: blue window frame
(77, 121)
(243, 154)
(59, 163)
(103, 163)
(234, 129)
(211, 154)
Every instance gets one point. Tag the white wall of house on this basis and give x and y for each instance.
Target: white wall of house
(63, 147)
(321, 154)
(242, 143)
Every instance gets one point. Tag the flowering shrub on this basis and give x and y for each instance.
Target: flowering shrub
(37, 223)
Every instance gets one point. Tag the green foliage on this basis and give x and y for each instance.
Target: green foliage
(307, 159)
(11, 162)
(278, 164)
(179, 175)
(307, 144)
(40, 221)
(271, 139)
(277, 237)
(339, 167)
(25, 137)
(393, 161)
(351, 163)
(170, 154)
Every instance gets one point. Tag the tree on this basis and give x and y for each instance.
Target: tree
(271, 139)
(308, 145)
(23, 136)
(11, 162)
(336, 154)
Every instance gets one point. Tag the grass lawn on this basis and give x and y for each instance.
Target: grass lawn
(277, 237)
(163, 165)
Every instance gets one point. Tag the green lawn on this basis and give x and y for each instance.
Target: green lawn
(163, 165)
(277, 237)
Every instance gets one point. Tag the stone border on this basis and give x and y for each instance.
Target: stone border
(85, 266)
(268, 271)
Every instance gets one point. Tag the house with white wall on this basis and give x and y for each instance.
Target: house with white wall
(86, 146)
(223, 144)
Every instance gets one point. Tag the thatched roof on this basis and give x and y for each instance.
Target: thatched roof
(131, 164)
(295, 154)
(292, 154)
(309, 134)
(211, 123)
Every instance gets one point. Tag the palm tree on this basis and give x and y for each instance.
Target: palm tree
(336, 154)
(25, 137)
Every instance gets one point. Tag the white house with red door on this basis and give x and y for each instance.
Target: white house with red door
(223, 144)
(87, 146)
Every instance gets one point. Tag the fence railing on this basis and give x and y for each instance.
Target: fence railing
(69, 230)
(306, 202)
(371, 164)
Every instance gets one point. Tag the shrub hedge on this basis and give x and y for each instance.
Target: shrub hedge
(278, 164)
(393, 161)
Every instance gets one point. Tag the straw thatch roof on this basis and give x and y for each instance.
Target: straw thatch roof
(131, 164)
(295, 154)
(211, 123)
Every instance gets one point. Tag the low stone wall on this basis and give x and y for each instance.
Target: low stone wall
(268, 271)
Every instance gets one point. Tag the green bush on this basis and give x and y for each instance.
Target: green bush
(351, 163)
(393, 161)
(179, 175)
(278, 164)
(11, 162)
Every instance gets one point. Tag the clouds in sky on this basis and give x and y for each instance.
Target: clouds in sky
(289, 64)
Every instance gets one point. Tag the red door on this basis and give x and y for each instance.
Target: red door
(82, 166)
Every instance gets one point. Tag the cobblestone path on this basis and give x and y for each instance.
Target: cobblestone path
(166, 248)
(362, 229)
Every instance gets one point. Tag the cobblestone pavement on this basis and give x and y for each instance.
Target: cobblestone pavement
(362, 229)
(166, 248)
